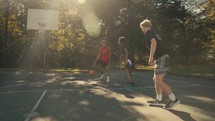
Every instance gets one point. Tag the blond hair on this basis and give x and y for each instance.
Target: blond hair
(146, 23)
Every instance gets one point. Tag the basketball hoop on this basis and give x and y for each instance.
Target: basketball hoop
(41, 19)
(41, 22)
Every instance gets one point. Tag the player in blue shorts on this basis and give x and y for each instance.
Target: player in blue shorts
(124, 55)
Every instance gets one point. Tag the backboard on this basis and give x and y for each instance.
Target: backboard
(41, 19)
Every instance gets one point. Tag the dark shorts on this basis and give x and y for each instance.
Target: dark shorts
(103, 64)
(162, 64)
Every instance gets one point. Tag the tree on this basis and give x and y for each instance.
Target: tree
(72, 45)
(209, 12)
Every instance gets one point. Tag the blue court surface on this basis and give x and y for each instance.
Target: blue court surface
(65, 96)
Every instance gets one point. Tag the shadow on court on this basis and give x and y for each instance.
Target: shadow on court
(183, 115)
(79, 97)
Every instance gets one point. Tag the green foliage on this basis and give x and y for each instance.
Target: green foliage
(71, 46)
(209, 12)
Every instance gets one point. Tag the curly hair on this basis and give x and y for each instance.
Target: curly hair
(122, 39)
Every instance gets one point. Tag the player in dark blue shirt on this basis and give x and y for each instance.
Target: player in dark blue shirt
(124, 54)
(160, 59)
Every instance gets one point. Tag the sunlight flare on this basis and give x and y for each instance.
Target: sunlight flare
(81, 1)
(90, 21)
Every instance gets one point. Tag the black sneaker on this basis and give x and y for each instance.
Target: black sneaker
(172, 104)
(155, 102)
(131, 84)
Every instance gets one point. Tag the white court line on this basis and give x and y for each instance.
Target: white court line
(207, 86)
(116, 88)
(36, 105)
(171, 80)
(20, 91)
(15, 85)
(137, 74)
(150, 76)
(179, 81)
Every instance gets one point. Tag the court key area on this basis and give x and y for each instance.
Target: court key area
(64, 96)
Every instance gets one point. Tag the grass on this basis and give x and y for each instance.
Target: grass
(68, 70)
(142, 67)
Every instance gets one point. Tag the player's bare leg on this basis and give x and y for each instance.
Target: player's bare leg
(173, 100)
(102, 73)
(108, 73)
(161, 85)
(128, 73)
(158, 90)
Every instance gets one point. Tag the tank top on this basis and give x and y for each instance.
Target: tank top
(105, 54)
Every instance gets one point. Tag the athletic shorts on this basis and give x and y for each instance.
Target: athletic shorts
(162, 64)
(128, 65)
(103, 65)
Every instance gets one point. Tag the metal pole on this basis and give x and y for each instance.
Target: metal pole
(42, 25)
(5, 42)
(188, 48)
(44, 59)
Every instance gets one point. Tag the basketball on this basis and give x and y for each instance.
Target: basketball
(91, 72)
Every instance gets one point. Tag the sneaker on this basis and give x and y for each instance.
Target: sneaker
(131, 85)
(108, 79)
(101, 77)
(172, 104)
(155, 102)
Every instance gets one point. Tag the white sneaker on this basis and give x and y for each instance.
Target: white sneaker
(101, 77)
(108, 79)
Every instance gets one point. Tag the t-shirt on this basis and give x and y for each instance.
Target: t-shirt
(105, 54)
(160, 50)
(122, 51)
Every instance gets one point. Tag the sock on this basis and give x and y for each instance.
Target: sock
(172, 97)
(159, 97)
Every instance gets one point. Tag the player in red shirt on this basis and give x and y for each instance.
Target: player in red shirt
(104, 57)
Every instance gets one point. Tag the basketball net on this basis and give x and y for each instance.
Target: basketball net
(42, 24)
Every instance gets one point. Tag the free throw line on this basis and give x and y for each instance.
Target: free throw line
(36, 105)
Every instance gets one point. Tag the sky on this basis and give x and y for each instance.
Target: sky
(201, 1)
